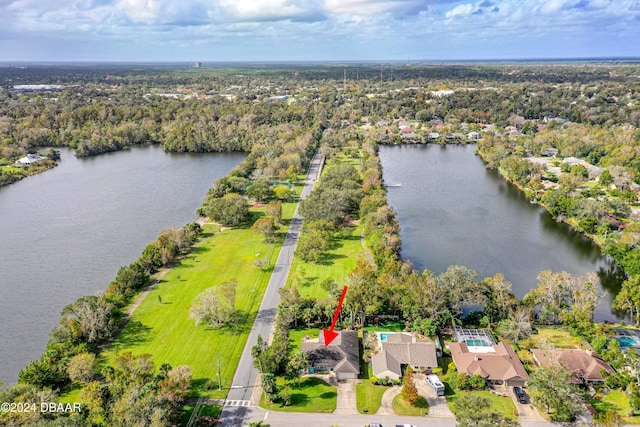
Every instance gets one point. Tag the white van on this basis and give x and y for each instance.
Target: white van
(435, 383)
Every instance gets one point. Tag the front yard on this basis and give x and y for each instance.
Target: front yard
(313, 395)
(502, 404)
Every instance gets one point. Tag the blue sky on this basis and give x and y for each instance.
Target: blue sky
(278, 30)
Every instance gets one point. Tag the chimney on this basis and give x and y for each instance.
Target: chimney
(477, 358)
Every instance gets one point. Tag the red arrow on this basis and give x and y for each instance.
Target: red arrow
(330, 335)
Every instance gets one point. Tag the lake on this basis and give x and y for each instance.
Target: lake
(452, 210)
(67, 231)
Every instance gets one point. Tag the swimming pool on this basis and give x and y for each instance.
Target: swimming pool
(626, 341)
(383, 337)
(477, 343)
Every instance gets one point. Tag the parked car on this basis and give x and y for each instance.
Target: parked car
(405, 425)
(375, 425)
(522, 398)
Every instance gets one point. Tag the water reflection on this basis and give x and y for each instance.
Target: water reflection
(452, 210)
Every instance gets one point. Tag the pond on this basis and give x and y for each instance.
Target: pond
(67, 231)
(452, 210)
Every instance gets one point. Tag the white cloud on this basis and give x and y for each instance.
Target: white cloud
(140, 10)
(388, 28)
(460, 10)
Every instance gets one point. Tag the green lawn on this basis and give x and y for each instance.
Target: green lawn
(397, 326)
(313, 395)
(339, 261)
(205, 411)
(368, 396)
(296, 335)
(617, 401)
(163, 328)
(503, 404)
(557, 336)
(402, 407)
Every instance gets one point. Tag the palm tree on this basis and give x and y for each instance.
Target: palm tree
(297, 363)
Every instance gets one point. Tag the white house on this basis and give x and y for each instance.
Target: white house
(29, 159)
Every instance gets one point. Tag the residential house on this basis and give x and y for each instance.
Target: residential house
(341, 357)
(400, 350)
(29, 159)
(474, 136)
(586, 365)
(498, 364)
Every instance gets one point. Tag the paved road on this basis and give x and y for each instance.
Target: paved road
(244, 380)
(297, 419)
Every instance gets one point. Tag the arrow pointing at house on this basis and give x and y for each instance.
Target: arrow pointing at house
(330, 335)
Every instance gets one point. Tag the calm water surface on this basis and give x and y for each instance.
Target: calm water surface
(65, 232)
(452, 210)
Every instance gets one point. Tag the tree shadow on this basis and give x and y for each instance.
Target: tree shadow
(134, 333)
(308, 281)
(241, 324)
(329, 259)
(299, 399)
(198, 386)
(335, 244)
(328, 395)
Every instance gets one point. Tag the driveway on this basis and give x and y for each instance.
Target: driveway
(437, 404)
(346, 404)
(386, 406)
(526, 411)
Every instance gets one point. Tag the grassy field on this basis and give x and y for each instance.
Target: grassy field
(313, 395)
(502, 404)
(161, 326)
(402, 407)
(339, 261)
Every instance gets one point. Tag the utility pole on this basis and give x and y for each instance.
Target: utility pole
(219, 376)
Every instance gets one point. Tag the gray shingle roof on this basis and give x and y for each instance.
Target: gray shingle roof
(343, 354)
(394, 354)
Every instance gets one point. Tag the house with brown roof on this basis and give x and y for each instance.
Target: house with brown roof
(341, 357)
(498, 364)
(586, 365)
(400, 350)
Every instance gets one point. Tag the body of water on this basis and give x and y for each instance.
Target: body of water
(452, 210)
(64, 233)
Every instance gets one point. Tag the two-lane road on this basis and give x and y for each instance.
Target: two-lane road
(244, 380)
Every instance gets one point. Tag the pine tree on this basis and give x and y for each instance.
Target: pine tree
(409, 391)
